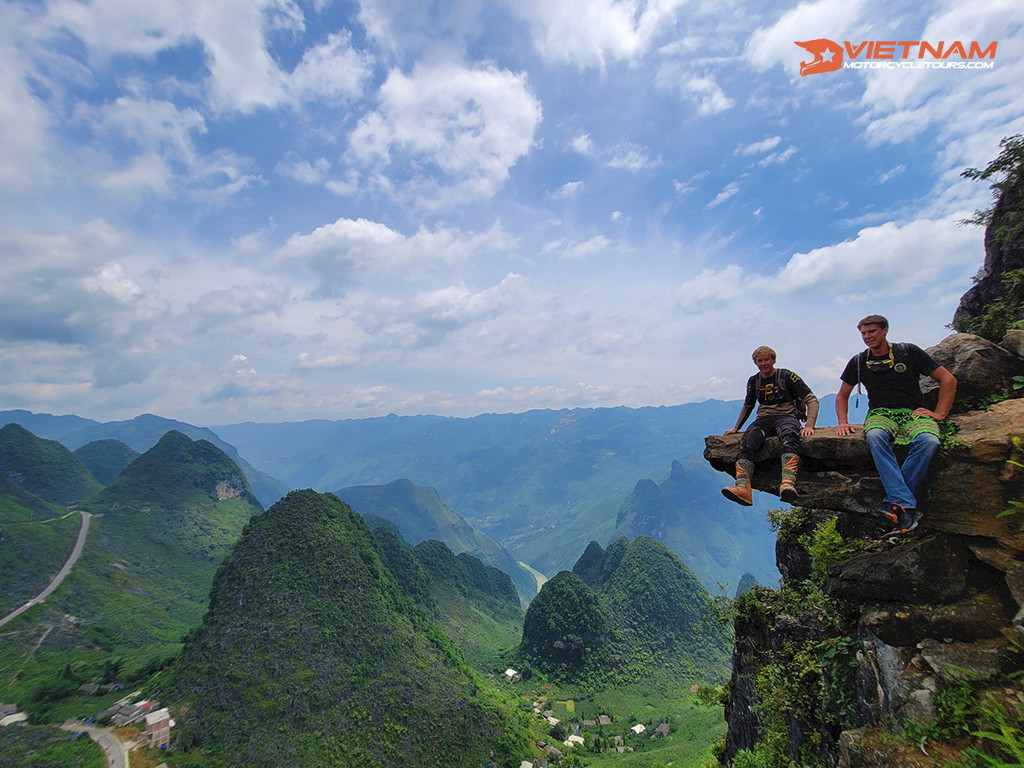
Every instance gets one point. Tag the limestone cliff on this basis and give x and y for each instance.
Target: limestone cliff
(856, 659)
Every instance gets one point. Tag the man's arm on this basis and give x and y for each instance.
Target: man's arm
(947, 391)
(812, 405)
(744, 413)
(843, 410)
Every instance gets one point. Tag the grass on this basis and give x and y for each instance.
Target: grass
(695, 727)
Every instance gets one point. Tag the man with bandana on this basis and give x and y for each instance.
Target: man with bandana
(896, 414)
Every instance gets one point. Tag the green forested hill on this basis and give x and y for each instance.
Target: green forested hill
(311, 655)
(631, 610)
(476, 605)
(420, 515)
(685, 512)
(156, 537)
(45, 468)
(106, 459)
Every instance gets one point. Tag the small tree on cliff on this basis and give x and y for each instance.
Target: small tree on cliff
(996, 302)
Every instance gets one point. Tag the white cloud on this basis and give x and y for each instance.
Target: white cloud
(570, 249)
(777, 158)
(892, 173)
(243, 74)
(710, 288)
(331, 71)
(305, 171)
(630, 157)
(471, 125)
(24, 122)
(759, 147)
(583, 144)
(348, 250)
(882, 262)
(588, 33)
(569, 189)
(701, 89)
(729, 190)
(832, 19)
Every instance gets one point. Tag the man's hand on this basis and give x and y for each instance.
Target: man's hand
(844, 429)
(930, 414)
(807, 432)
(730, 431)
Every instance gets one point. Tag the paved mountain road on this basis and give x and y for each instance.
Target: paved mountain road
(55, 582)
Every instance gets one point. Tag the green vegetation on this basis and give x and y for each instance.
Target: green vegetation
(35, 539)
(310, 653)
(694, 725)
(642, 613)
(106, 459)
(42, 747)
(1008, 171)
(476, 605)
(45, 468)
(419, 515)
(1003, 308)
(157, 536)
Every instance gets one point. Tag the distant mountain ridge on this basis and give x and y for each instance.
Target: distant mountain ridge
(106, 459)
(44, 468)
(140, 434)
(420, 515)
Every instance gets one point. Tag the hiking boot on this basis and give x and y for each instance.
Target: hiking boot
(892, 514)
(787, 488)
(908, 520)
(741, 493)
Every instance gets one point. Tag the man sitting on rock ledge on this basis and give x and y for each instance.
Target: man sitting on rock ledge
(896, 413)
(783, 401)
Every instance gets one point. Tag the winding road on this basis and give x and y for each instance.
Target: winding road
(113, 748)
(55, 582)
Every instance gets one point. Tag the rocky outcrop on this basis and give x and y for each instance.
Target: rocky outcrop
(923, 613)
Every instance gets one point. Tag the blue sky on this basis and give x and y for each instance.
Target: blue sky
(275, 210)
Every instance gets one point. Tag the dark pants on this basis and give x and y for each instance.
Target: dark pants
(786, 428)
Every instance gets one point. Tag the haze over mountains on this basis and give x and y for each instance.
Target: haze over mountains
(542, 484)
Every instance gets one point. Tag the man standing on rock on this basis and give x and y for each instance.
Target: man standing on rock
(784, 400)
(896, 414)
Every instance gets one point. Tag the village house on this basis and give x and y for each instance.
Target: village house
(638, 728)
(158, 728)
(512, 676)
(661, 731)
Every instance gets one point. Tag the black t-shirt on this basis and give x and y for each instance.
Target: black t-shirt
(783, 386)
(892, 380)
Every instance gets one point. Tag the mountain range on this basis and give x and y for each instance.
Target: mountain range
(541, 484)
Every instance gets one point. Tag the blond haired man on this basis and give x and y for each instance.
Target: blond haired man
(783, 401)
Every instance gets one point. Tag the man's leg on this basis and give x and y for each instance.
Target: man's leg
(743, 492)
(896, 489)
(922, 450)
(788, 430)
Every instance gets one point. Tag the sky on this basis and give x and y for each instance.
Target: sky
(278, 210)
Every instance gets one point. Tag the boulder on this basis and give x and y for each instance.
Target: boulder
(928, 570)
(1013, 342)
(981, 367)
